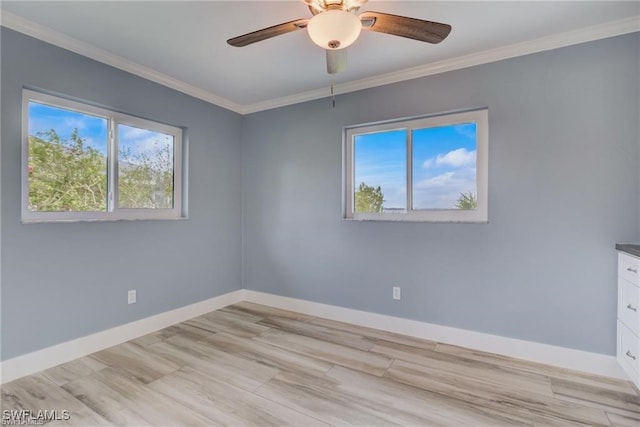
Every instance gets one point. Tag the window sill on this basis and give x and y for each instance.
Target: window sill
(57, 221)
(405, 219)
(476, 216)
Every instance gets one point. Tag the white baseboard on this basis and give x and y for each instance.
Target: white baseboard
(39, 360)
(594, 363)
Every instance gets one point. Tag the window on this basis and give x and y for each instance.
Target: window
(425, 169)
(84, 163)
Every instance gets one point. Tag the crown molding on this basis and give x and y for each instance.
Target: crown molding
(582, 35)
(46, 34)
(297, 98)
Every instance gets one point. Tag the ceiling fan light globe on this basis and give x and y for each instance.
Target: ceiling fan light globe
(334, 29)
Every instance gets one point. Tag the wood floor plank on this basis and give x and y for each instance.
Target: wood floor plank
(148, 339)
(205, 357)
(316, 397)
(609, 399)
(136, 360)
(322, 333)
(262, 311)
(217, 321)
(410, 405)
(266, 354)
(374, 334)
(618, 420)
(183, 330)
(488, 373)
(333, 353)
(72, 370)
(114, 395)
(530, 407)
(539, 368)
(37, 393)
(226, 404)
(105, 401)
(249, 316)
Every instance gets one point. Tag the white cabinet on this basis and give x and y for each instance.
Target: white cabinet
(628, 316)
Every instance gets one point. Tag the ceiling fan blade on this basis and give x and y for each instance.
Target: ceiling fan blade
(336, 60)
(412, 28)
(267, 33)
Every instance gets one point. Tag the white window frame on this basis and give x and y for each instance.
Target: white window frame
(478, 215)
(113, 213)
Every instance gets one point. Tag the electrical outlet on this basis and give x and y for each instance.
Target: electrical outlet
(397, 293)
(131, 297)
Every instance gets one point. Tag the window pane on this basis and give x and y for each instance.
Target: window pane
(444, 167)
(145, 168)
(67, 169)
(380, 172)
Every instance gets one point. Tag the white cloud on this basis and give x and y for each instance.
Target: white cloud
(456, 158)
(140, 141)
(442, 191)
(73, 123)
(437, 181)
(467, 130)
(130, 132)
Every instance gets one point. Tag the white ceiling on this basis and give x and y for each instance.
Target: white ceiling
(182, 44)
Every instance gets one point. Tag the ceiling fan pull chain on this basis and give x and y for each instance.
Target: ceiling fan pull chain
(333, 97)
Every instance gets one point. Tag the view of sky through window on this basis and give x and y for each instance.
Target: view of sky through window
(68, 168)
(381, 160)
(443, 166)
(92, 129)
(145, 168)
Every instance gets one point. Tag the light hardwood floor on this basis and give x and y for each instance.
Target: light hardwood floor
(254, 365)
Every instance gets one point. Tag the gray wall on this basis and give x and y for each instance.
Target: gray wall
(63, 281)
(563, 189)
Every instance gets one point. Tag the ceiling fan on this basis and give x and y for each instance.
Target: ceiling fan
(335, 26)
